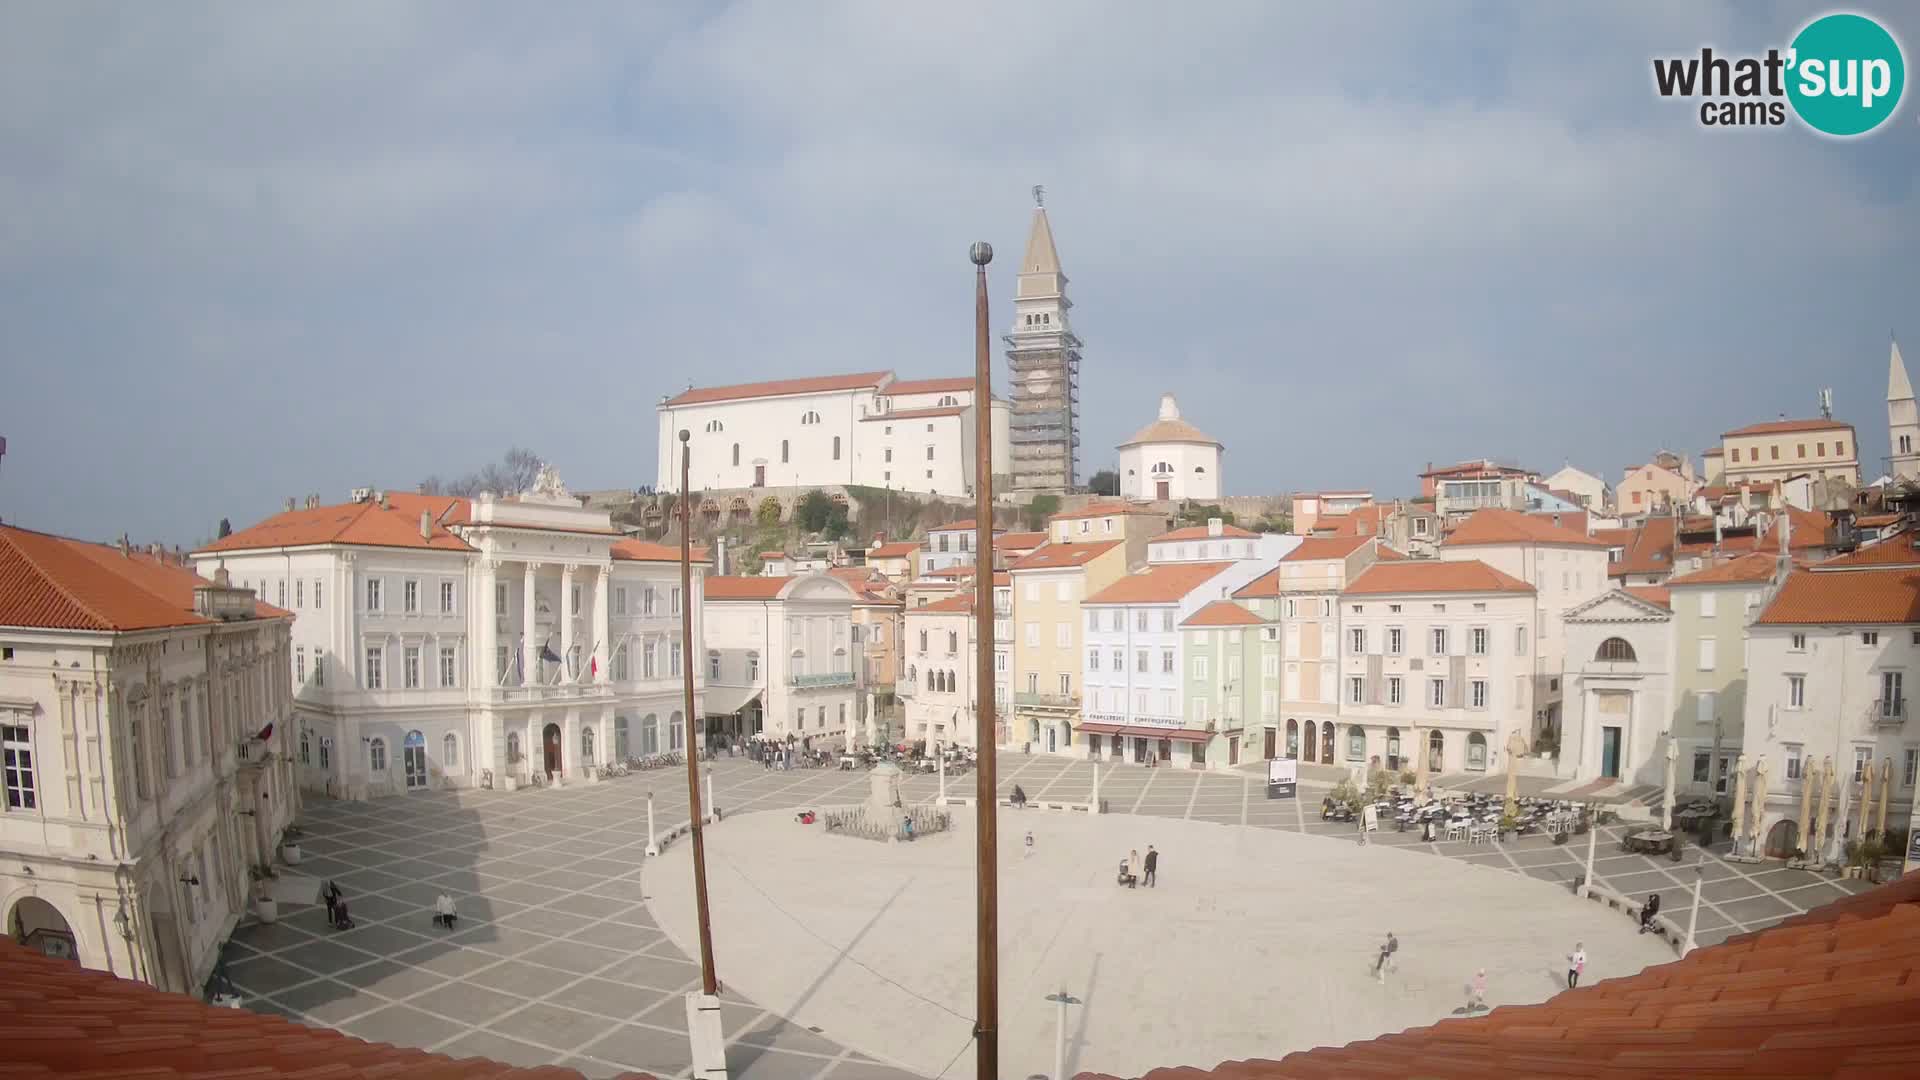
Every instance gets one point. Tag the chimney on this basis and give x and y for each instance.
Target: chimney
(426, 525)
(384, 505)
(222, 578)
(720, 556)
(1215, 526)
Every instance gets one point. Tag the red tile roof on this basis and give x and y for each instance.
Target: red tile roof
(1387, 554)
(930, 386)
(365, 524)
(1869, 596)
(1326, 547)
(1222, 613)
(63, 1020)
(1475, 468)
(1161, 583)
(1057, 556)
(1265, 586)
(1101, 508)
(778, 387)
(1752, 569)
(960, 603)
(1778, 427)
(1512, 527)
(54, 583)
(1652, 594)
(1433, 576)
(1834, 992)
(1895, 550)
(898, 550)
(1199, 532)
(1616, 537)
(1016, 541)
(745, 588)
(1649, 552)
(631, 550)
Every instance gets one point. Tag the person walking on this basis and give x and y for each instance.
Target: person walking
(1387, 949)
(908, 820)
(1153, 865)
(1029, 845)
(1133, 868)
(330, 895)
(1576, 964)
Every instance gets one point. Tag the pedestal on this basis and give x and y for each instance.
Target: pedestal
(704, 1032)
(653, 837)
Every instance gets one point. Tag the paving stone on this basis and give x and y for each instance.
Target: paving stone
(466, 1003)
(551, 1025)
(636, 1046)
(266, 975)
(325, 957)
(402, 1026)
(326, 1001)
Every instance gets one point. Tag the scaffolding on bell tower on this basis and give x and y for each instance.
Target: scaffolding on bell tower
(1043, 359)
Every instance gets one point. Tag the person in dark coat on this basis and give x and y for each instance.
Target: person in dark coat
(1153, 865)
(1648, 911)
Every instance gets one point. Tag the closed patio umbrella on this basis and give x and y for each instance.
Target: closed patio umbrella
(1673, 765)
(1516, 747)
(1866, 798)
(1837, 831)
(1759, 805)
(1420, 762)
(1886, 779)
(1739, 800)
(1809, 780)
(1818, 848)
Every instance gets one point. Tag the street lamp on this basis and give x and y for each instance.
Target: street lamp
(1061, 1000)
(1693, 917)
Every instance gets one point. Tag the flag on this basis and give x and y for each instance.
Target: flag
(593, 667)
(265, 733)
(547, 654)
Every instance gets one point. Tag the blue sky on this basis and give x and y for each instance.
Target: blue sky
(250, 251)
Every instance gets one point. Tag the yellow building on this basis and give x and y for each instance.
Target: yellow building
(1047, 587)
(1778, 449)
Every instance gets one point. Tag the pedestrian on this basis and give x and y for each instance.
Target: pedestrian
(1153, 865)
(1648, 911)
(1019, 799)
(1387, 949)
(909, 826)
(1477, 994)
(1133, 868)
(1029, 853)
(329, 895)
(1576, 964)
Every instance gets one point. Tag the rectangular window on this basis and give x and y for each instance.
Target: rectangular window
(1702, 766)
(674, 668)
(1706, 659)
(1269, 666)
(676, 600)
(1707, 605)
(1796, 691)
(375, 677)
(1893, 694)
(317, 589)
(1063, 634)
(713, 666)
(1911, 766)
(1437, 693)
(299, 592)
(1520, 640)
(649, 660)
(1394, 690)
(1093, 659)
(1357, 641)
(1479, 693)
(1066, 684)
(299, 666)
(1792, 753)
(1199, 667)
(1166, 622)
(410, 667)
(319, 667)
(1120, 660)
(620, 664)
(282, 583)
(1478, 637)
(1438, 642)
(1033, 634)
(1356, 690)
(646, 600)
(17, 742)
(1869, 637)
(410, 592)
(446, 598)
(1093, 619)
(1166, 662)
(1140, 620)
(1396, 641)
(449, 675)
(373, 594)
(1862, 760)
(620, 600)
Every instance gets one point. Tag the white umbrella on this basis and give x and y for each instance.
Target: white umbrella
(1866, 798)
(1837, 832)
(1420, 761)
(1759, 804)
(1820, 831)
(1886, 779)
(1809, 781)
(1673, 764)
(1739, 800)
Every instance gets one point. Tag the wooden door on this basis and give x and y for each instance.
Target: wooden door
(1273, 736)
(550, 748)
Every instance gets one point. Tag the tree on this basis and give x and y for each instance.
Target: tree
(813, 510)
(769, 512)
(1105, 482)
(836, 525)
(226, 528)
(1040, 509)
(512, 474)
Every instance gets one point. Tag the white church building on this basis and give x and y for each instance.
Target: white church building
(1171, 459)
(870, 428)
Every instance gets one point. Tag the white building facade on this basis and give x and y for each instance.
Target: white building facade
(869, 428)
(941, 688)
(1171, 459)
(146, 736)
(1619, 711)
(785, 645)
(443, 642)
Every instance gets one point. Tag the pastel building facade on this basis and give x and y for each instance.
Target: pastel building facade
(783, 650)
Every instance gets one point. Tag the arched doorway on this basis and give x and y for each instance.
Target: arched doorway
(550, 749)
(621, 751)
(1783, 839)
(1476, 751)
(1293, 738)
(1393, 749)
(1436, 751)
(413, 756)
(39, 926)
(1326, 743)
(1313, 742)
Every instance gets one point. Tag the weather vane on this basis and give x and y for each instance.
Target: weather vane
(1039, 195)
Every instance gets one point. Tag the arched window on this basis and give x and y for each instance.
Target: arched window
(377, 755)
(586, 746)
(913, 674)
(1293, 738)
(736, 453)
(839, 661)
(513, 747)
(1436, 751)
(1356, 743)
(650, 734)
(713, 664)
(1393, 747)
(797, 663)
(1615, 649)
(306, 750)
(620, 747)
(676, 730)
(449, 751)
(809, 417)
(715, 425)
(1160, 468)
(948, 401)
(1198, 469)
(1476, 751)
(753, 667)
(836, 448)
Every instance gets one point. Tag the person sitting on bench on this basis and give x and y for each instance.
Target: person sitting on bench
(1648, 911)
(443, 913)
(1019, 796)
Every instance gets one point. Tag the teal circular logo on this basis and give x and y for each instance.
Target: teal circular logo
(1845, 74)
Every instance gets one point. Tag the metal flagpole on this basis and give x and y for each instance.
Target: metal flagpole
(703, 1008)
(986, 1025)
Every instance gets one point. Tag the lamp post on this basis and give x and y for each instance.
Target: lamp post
(986, 1024)
(1061, 1000)
(653, 842)
(703, 1006)
(1693, 916)
(1593, 839)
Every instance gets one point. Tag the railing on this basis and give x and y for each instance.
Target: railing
(1056, 701)
(1888, 712)
(837, 678)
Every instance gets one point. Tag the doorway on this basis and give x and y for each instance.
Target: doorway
(550, 749)
(1053, 738)
(759, 476)
(1162, 491)
(1273, 737)
(1610, 753)
(1233, 748)
(1093, 747)
(413, 756)
(1313, 741)
(1326, 743)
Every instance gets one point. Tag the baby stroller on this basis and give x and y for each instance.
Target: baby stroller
(1125, 876)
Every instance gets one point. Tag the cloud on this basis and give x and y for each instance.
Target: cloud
(247, 253)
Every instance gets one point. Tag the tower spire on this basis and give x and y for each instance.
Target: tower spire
(1043, 356)
(1903, 419)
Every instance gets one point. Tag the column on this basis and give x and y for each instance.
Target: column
(602, 625)
(529, 648)
(570, 763)
(566, 623)
(486, 633)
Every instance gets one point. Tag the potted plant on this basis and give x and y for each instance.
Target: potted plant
(265, 908)
(290, 845)
(1508, 823)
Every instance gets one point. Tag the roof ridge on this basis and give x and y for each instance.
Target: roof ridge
(52, 580)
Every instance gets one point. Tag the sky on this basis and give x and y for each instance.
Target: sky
(257, 251)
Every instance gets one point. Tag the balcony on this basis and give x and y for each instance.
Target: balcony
(1047, 701)
(815, 682)
(1887, 713)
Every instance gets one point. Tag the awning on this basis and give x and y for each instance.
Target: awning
(1143, 731)
(727, 700)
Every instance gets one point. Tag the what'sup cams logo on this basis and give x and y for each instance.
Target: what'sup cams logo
(1842, 76)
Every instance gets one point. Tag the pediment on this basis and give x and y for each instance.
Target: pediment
(1618, 606)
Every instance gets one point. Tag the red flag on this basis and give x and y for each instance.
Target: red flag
(265, 733)
(593, 666)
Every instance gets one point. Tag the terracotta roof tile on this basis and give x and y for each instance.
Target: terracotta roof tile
(1173, 430)
(647, 551)
(1222, 613)
(1326, 547)
(745, 588)
(897, 550)
(1652, 594)
(1835, 597)
(960, 603)
(364, 524)
(1897, 550)
(1265, 586)
(1160, 583)
(56, 583)
(1200, 532)
(1750, 569)
(1387, 554)
(930, 386)
(1101, 508)
(966, 525)
(1777, 427)
(1650, 551)
(1496, 526)
(1020, 540)
(1057, 556)
(778, 387)
(1433, 576)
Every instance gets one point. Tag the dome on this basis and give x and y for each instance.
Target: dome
(1169, 428)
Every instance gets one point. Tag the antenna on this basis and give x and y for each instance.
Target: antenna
(1039, 195)
(1826, 403)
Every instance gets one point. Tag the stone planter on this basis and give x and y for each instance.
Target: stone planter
(290, 854)
(512, 784)
(266, 909)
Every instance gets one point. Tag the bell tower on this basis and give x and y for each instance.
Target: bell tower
(1043, 358)
(1903, 421)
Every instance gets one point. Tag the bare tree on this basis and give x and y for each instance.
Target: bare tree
(512, 474)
